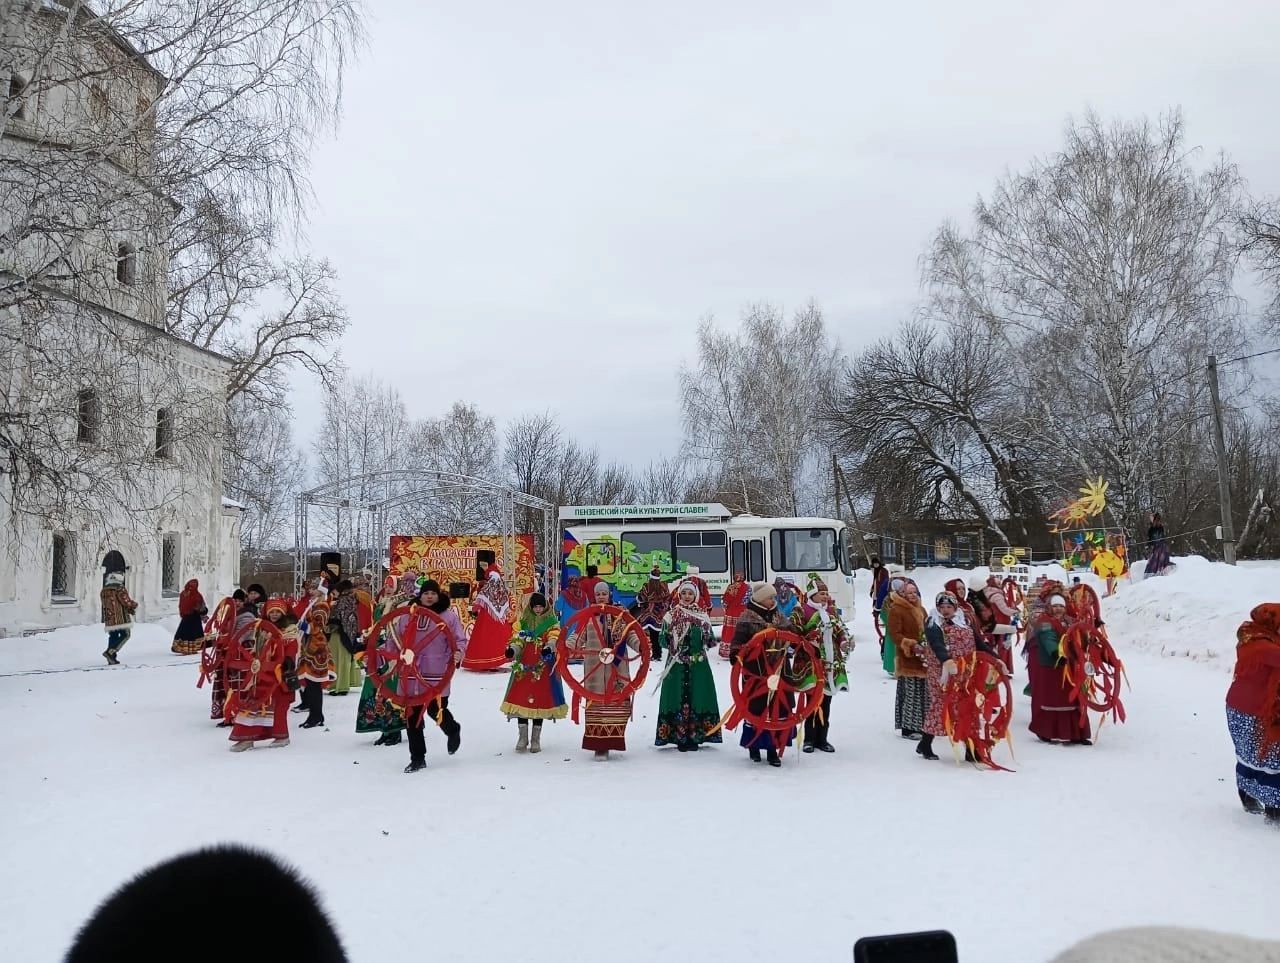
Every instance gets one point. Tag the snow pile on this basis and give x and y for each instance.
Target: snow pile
(1193, 612)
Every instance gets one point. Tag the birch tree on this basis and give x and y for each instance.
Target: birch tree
(152, 155)
(1105, 273)
(750, 409)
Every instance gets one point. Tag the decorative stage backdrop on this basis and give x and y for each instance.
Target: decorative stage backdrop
(451, 559)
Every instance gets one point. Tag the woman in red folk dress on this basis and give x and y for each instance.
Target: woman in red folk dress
(949, 637)
(734, 600)
(259, 708)
(605, 723)
(1055, 715)
(224, 678)
(491, 632)
(189, 637)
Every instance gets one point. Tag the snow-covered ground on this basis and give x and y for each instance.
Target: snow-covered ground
(492, 856)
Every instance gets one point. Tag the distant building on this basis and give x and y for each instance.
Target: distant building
(134, 413)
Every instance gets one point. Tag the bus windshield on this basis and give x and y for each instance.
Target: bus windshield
(803, 549)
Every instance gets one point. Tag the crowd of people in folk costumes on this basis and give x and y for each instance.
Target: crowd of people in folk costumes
(960, 651)
(1065, 651)
(321, 638)
(318, 644)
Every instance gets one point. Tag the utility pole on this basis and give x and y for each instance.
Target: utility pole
(1224, 480)
(839, 481)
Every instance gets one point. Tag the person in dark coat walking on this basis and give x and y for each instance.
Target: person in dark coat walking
(761, 613)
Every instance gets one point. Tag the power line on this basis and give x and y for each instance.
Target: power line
(1250, 357)
(1203, 368)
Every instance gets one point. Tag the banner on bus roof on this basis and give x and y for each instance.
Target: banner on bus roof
(586, 513)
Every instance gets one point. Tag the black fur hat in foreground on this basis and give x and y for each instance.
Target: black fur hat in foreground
(200, 906)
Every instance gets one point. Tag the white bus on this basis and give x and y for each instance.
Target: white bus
(625, 542)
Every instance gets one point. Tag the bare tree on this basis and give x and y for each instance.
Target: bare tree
(935, 401)
(1105, 273)
(750, 409)
(664, 480)
(540, 459)
(1261, 242)
(531, 444)
(264, 471)
(150, 153)
(464, 442)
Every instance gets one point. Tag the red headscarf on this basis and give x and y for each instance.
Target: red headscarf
(1258, 661)
(190, 601)
(574, 595)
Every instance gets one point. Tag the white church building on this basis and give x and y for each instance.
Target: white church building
(111, 429)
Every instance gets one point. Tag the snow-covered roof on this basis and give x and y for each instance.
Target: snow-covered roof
(231, 503)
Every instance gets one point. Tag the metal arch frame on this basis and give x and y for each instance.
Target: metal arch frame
(336, 495)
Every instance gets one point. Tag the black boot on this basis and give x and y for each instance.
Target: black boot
(382, 740)
(774, 759)
(1250, 804)
(925, 747)
(312, 722)
(415, 765)
(754, 754)
(392, 738)
(455, 739)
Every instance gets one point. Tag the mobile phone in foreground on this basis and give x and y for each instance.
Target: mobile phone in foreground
(937, 946)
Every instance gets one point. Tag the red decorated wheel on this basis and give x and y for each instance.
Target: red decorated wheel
(217, 631)
(1093, 670)
(977, 705)
(765, 670)
(257, 650)
(223, 618)
(1084, 602)
(609, 648)
(1013, 593)
(394, 655)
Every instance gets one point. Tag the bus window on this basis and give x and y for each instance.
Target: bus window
(709, 551)
(647, 549)
(604, 556)
(748, 558)
(842, 552)
(803, 549)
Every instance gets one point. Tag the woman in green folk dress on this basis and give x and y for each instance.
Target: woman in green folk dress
(375, 712)
(687, 707)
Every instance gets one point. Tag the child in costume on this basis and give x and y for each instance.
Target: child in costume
(534, 691)
(259, 706)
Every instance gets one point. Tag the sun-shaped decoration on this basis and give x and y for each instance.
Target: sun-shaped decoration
(1094, 501)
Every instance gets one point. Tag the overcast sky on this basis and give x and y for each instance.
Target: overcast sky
(531, 204)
